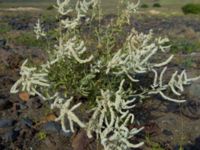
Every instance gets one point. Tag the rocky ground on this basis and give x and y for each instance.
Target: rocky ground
(29, 124)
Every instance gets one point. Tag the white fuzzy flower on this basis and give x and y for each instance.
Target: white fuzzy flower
(66, 112)
(30, 80)
(38, 30)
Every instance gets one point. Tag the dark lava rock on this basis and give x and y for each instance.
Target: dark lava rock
(2, 43)
(52, 127)
(18, 24)
(194, 90)
(14, 60)
(190, 146)
(22, 106)
(34, 103)
(167, 132)
(5, 104)
(65, 134)
(191, 109)
(10, 136)
(5, 123)
(2, 147)
(26, 122)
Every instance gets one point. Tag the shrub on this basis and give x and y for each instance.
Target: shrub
(191, 9)
(28, 39)
(50, 7)
(185, 46)
(157, 5)
(104, 72)
(144, 6)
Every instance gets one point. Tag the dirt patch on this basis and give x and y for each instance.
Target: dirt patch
(21, 9)
(154, 12)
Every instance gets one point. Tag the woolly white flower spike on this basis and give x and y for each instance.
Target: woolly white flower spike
(134, 57)
(120, 103)
(132, 7)
(70, 24)
(175, 84)
(30, 80)
(82, 7)
(95, 68)
(39, 32)
(66, 112)
(62, 7)
(118, 137)
(161, 43)
(93, 125)
(165, 62)
(71, 49)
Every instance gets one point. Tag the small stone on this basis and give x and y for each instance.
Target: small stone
(2, 43)
(80, 140)
(52, 127)
(10, 136)
(5, 123)
(5, 104)
(194, 90)
(2, 147)
(34, 103)
(22, 106)
(66, 134)
(26, 122)
(167, 132)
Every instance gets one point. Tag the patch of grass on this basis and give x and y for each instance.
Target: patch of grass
(157, 5)
(50, 7)
(184, 46)
(188, 62)
(144, 6)
(4, 28)
(28, 39)
(41, 135)
(153, 145)
(48, 17)
(191, 8)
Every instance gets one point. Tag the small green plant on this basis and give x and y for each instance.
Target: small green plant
(104, 72)
(191, 8)
(153, 145)
(188, 62)
(28, 39)
(50, 7)
(41, 135)
(4, 28)
(184, 46)
(157, 5)
(144, 6)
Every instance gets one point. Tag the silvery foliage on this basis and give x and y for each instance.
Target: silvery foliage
(111, 115)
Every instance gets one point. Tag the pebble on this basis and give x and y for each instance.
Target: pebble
(2, 43)
(26, 122)
(167, 132)
(5, 104)
(34, 103)
(194, 90)
(5, 123)
(66, 134)
(52, 127)
(10, 136)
